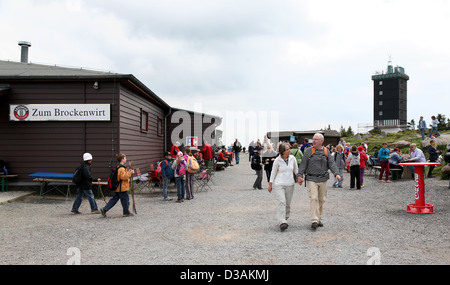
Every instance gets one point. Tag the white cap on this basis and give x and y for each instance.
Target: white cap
(87, 156)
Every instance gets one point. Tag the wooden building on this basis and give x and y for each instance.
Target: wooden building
(46, 125)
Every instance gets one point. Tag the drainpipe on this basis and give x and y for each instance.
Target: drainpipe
(165, 128)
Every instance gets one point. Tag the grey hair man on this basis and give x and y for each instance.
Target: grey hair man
(314, 165)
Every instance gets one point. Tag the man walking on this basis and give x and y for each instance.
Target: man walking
(315, 164)
(85, 186)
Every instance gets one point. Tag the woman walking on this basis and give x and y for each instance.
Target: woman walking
(282, 179)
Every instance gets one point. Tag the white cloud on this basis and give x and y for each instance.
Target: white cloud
(307, 59)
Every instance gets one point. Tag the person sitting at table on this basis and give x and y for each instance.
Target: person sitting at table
(415, 155)
(223, 157)
(396, 158)
(85, 186)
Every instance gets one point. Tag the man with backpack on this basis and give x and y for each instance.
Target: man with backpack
(83, 179)
(315, 165)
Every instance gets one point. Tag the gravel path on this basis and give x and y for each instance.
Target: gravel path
(234, 224)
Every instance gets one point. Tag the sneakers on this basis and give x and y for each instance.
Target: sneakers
(168, 199)
(95, 212)
(76, 212)
(103, 212)
(283, 227)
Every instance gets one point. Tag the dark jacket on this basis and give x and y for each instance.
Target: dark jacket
(257, 161)
(166, 169)
(433, 153)
(86, 177)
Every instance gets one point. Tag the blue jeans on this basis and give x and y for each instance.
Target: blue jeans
(164, 187)
(79, 197)
(434, 129)
(180, 187)
(124, 200)
(237, 153)
(422, 131)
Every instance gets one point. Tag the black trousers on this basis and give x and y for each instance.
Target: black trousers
(355, 173)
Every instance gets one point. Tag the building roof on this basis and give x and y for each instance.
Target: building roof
(12, 71)
(326, 133)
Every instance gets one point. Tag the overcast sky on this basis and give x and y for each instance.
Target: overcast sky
(294, 65)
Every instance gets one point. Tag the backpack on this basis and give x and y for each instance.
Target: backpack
(113, 181)
(159, 168)
(181, 168)
(193, 166)
(254, 163)
(77, 175)
(325, 151)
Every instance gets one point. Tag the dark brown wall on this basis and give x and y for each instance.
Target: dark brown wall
(199, 123)
(29, 147)
(141, 148)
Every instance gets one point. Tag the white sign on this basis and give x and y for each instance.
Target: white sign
(60, 112)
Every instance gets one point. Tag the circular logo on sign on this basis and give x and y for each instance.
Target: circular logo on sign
(21, 112)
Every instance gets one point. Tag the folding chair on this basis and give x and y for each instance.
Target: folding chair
(203, 180)
(154, 178)
(141, 180)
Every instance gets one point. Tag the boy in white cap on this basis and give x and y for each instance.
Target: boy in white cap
(85, 186)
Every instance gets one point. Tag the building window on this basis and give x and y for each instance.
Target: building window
(380, 103)
(144, 121)
(380, 93)
(160, 127)
(380, 113)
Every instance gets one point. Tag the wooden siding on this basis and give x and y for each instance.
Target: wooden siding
(199, 124)
(29, 147)
(143, 148)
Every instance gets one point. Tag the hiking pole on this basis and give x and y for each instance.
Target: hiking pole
(132, 189)
(101, 192)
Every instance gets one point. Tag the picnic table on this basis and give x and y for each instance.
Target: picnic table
(5, 180)
(57, 179)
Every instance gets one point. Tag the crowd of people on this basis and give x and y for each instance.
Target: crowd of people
(284, 165)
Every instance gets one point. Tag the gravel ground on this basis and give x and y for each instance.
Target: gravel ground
(234, 224)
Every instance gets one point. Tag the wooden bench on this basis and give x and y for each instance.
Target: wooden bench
(220, 165)
(5, 180)
(377, 170)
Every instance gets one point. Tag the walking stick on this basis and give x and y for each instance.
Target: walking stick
(101, 192)
(132, 189)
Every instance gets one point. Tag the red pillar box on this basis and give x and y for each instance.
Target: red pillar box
(419, 207)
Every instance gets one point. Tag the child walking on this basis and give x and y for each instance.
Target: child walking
(362, 164)
(354, 161)
(339, 158)
(179, 166)
(121, 192)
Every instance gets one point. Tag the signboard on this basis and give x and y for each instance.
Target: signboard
(292, 139)
(192, 142)
(60, 112)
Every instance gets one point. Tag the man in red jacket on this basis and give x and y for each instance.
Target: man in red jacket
(207, 154)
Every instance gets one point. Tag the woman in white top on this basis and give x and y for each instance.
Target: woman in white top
(283, 179)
